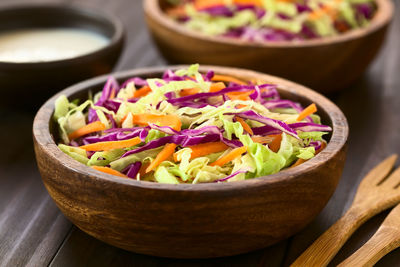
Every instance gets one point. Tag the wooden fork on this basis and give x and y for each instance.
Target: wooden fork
(375, 193)
(386, 239)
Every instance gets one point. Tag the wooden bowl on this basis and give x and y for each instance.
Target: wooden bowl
(325, 64)
(186, 220)
(37, 81)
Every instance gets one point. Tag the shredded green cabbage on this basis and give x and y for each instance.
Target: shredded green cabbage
(76, 153)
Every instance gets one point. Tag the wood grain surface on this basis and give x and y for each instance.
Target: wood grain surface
(33, 232)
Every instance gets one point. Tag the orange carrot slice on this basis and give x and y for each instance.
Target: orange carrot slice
(104, 146)
(307, 112)
(109, 171)
(249, 2)
(142, 170)
(244, 96)
(241, 106)
(165, 154)
(162, 120)
(215, 87)
(112, 94)
(226, 78)
(325, 10)
(262, 139)
(276, 142)
(145, 90)
(178, 11)
(323, 145)
(298, 162)
(204, 4)
(245, 126)
(190, 91)
(205, 149)
(87, 129)
(240, 93)
(342, 26)
(237, 152)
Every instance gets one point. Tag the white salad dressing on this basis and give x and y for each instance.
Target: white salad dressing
(36, 45)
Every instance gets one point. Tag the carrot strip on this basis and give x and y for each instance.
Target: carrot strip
(109, 171)
(142, 170)
(145, 90)
(226, 78)
(87, 129)
(237, 152)
(241, 106)
(323, 145)
(242, 96)
(328, 10)
(205, 149)
(245, 126)
(103, 146)
(276, 143)
(190, 91)
(307, 112)
(262, 139)
(162, 120)
(112, 94)
(240, 93)
(218, 86)
(298, 162)
(204, 4)
(249, 2)
(342, 26)
(166, 153)
(178, 11)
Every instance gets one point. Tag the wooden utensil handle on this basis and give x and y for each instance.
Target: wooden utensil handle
(321, 252)
(380, 244)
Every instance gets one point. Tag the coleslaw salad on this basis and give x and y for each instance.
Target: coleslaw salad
(189, 127)
(272, 20)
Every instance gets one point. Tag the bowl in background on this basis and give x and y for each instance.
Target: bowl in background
(191, 220)
(325, 64)
(36, 81)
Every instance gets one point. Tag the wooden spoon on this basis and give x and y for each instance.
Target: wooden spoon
(386, 239)
(374, 194)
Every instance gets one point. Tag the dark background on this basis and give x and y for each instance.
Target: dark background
(33, 232)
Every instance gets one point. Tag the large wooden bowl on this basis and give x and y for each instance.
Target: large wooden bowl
(191, 221)
(326, 64)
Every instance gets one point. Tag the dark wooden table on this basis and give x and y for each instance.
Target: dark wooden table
(33, 232)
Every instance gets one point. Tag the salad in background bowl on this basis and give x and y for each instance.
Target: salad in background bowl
(188, 127)
(271, 21)
(195, 220)
(326, 45)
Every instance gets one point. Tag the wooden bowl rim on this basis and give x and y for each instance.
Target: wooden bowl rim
(382, 17)
(44, 140)
(81, 10)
